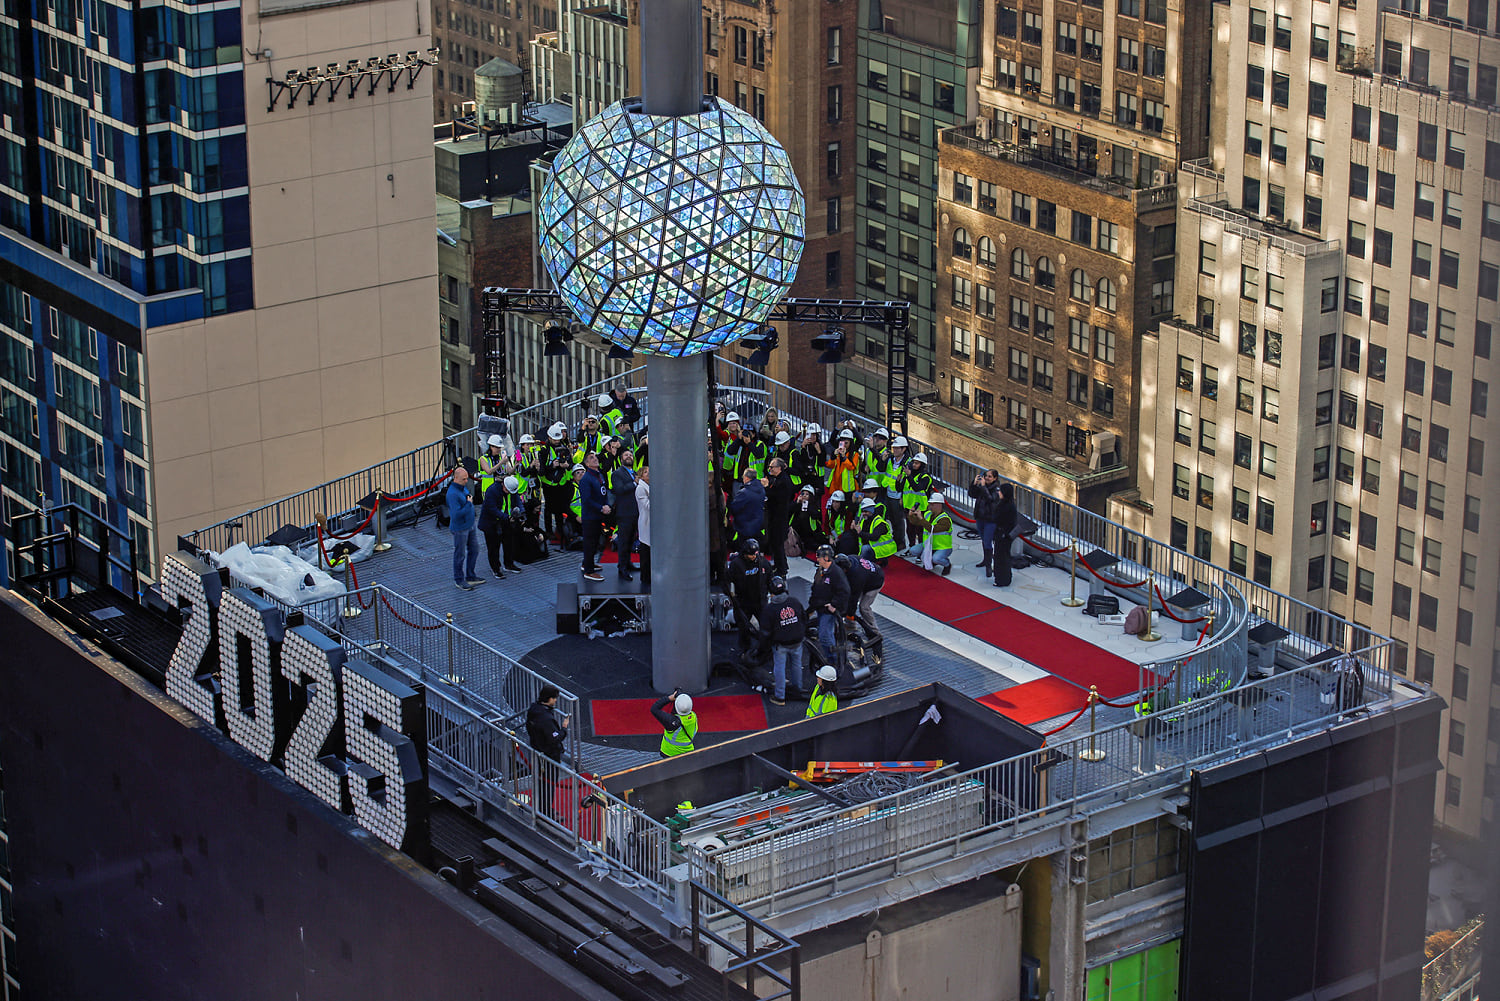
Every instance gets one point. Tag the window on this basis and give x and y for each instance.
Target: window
(1249, 283)
(984, 352)
(835, 214)
(1249, 334)
(1257, 27)
(1066, 39)
(1278, 145)
(1270, 404)
(1458, 78)
(963, 188)
(1319, 522)
(1208, 258)
(1320, 42)
(1275, 297)
(1437, 494)
(986, 252)
(1265, 514)
(1344, 467)
(1020, 208)
(1424, 206)
(1442, 385)
(1128, 59)
(1281, 90)
(1154, 116)
(834, 274)
(963, 292)
(1046, 276)
(835, 46)
(961, 342)
(1208, 433)
(1244, 450)
(1411, 433)
(1184, 434)
(1360, 123)
(1338, 576)
(1104, 398)
(1205, 491)
(1383, 243)
(984, 405)
(1031, 28)
(1019, 368)
(1342, 520)
(962, 248)
(1354, 243)
(1315, 574)
(835, 103)
(1020, 314)
(1406, 493)
(988, 196)
(958, 394)
(1448, 264)
(1385, 189)
(1083, 228)
(1041, 374)
(1104, 345)
(1370, 479)
(1046, 216)
(1179, 534)
(1109, 237)
(1268, 460)
(1203, 543)
(1468, 571)
(1432, 556)
(1454, 156)
(1263, 564)
(1239, 508)
(1042, 327)
(1323, 408)
(1093, 45)
(1348, 410)
(1245, 396)
(832, 159)
(1390, 58)
(1105, 298)
(1359, 182)
(1078, 340)
(1314, 156)
(1374, 419)
(1390, 127)
(911, 85)
(1078, 389)
(1354, 297)
(986, 305)
(1320, 463)
(1079, 287)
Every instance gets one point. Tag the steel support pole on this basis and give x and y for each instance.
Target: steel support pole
(671, 58)
(679, 522)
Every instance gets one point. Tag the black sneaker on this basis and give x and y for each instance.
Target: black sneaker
(463, 585)
(497, 574)
(476, 581)
(947, 569)
(512, 568)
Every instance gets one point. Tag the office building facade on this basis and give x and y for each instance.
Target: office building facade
(209, 292)
(1337, 272)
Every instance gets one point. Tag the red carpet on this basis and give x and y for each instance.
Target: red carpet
(716, 714)
(1037, 700)
(1054, 650)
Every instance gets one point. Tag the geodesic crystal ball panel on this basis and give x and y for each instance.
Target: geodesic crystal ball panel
(672, 236)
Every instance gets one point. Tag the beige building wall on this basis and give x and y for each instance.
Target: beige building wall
(337, 366)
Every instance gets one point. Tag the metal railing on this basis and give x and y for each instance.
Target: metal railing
(1254, 229)
(752, 958)
(1023, 795)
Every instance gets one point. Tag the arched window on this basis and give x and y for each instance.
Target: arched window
(961, 245)
(1079, 287)
(1046, 275)
(1020, 265)
(986, 251)
(1106, 297)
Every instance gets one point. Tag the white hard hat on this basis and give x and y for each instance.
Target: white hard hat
(806, 489)
(731, 416)
(827, 673)
(919, 457)
(870, 484)
(900, 441)
(881, 433)
(496, 441)
(512, 484)
(815, 428)
(603, 401)
(782, 437)
(846, 433)
(683, 705)
(868, 502)
(837, 495)
(579, 467)
(527, 439)
(557, 431)
(936, 499)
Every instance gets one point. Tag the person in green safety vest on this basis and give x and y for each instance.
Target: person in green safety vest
(747, 452)
(880, 466)
(835, 517)
(825, 696)
(679, 727)
(590, 438)
(492, 464)
(572, 521)
(611, 415)
(807, 460)
(874, 529)
(940, 533)
(916, 484)
(529, 465)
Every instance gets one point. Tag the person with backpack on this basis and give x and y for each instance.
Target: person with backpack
(783, 627)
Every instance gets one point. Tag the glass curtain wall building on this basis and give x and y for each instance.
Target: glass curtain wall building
(123, 205)
(918, 63)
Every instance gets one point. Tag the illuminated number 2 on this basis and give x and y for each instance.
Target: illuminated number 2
(312, 662)
(194, 587)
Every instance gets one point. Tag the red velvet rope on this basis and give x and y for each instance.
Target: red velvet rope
(1033, 545)
(361, 528)
(1202, 635)
(961, 517)
(436, 625)
(354, 578)
(1070, 722)
(420, 493)
(1112, 583)
(1187, 622)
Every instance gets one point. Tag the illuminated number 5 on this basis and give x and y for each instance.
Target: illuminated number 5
(384, 733)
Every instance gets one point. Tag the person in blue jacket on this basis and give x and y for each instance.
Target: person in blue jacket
(622, 491)
(593, 499)
(462, 523)
(747, 508)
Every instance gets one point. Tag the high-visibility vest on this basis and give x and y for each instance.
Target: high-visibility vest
(916, 487)
(610, 420)
(489, 470)
(940, 532)
(593, 441)
(556, 477)
(837, 521)
(824, 700)
(882, 538)
(680, 740)
(878, 465)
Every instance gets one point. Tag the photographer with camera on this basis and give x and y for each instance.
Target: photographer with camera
(679, 727)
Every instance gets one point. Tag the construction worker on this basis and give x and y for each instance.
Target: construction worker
(874, 530)
(916, 484)
(837, 519)
(528, 464)
(492, 464)
(679, 727)
(843, 464)
(747, 452)
(557, 483)
(938, 534)
(825, 696)
(611, 415)
(590, 438)
(807, 459)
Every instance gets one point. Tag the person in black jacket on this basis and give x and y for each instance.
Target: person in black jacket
(749, 578)
(829, 598)
(622, 488)
(546, 732)
(866, 578)
(985, 492)
(807, 520)
(778, 484)
(1005, 528)
(783, 626)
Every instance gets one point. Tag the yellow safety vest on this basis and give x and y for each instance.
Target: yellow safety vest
(824, 700)
(680, 741)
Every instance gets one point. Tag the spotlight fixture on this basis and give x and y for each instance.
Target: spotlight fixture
(620, 351)
(558, 335)
(831, 343)
(761, 344)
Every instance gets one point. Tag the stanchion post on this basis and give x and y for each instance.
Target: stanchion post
(350, 611)
(452, 676)
(1093, 753)
(380, 544)
(322, 523)
(1149, 634)
(1072, 600)
(379, 643)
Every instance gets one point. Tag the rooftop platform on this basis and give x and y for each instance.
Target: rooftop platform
(1269, 671)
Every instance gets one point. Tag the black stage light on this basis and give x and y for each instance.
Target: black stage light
(761, 343)
(831, 343)
(558, 335)
(620, 351)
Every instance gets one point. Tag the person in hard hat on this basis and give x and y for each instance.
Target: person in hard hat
(877, 465)
(679, 727)
(807, 459)
(500, 522)
(783, 627)
(590, 438)
(528, 463)
(872, 489)
(940, 533)
(747, 453)
(843, 464)
(825, 696)
(807, 520)
(611, 417)
(837, 517)
(874, 529)
(781, 448)
(915, 486)
(572, 530)
(558, 491)
(493, 464)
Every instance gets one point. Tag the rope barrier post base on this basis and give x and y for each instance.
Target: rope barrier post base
(1092, 753)
(380, 544)
(350, 611)
(1149, 634)
(452, 677)
(1072, 600)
